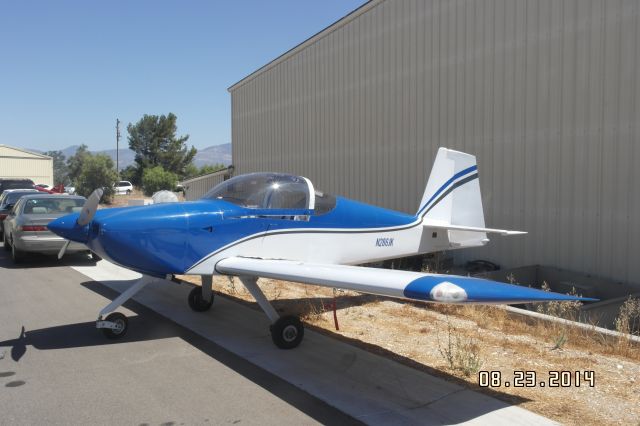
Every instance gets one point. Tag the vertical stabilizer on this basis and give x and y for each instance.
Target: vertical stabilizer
(452, 197)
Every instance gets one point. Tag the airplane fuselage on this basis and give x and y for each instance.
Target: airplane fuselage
(191, 237)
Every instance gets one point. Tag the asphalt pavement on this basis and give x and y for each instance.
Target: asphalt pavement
(176, 366)
(56, 368)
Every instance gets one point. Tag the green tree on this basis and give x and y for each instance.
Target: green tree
(131, 174)
(75, 162)
(98, 171)
(155, 143)
(60, 171)
(156, 179)
(192, 170)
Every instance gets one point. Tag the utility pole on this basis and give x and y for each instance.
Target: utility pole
(118, 147)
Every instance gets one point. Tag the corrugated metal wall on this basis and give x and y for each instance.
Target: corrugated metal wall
(20, 164)
(546, 93)
(195, 188)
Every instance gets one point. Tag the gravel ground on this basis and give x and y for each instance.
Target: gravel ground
(422, 335)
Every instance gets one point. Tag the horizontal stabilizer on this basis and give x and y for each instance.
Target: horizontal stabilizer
(430, 224)
(393, 283)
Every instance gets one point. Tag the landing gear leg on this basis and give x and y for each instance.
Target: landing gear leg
(114, 326)
(201, 298)
(286, 332)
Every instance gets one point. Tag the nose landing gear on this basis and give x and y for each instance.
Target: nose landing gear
(114, 325)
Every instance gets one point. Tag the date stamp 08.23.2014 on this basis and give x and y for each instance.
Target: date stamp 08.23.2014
(530, 379)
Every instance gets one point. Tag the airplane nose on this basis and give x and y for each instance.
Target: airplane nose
(67, 227)
(149, 239)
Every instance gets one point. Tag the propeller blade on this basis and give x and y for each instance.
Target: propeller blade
(63, 249)
(90, 207)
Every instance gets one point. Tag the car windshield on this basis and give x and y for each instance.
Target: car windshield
(53, 205)
(265, 191)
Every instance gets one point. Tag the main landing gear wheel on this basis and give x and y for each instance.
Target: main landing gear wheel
(120, 323)
(287, 332)
(197, 302)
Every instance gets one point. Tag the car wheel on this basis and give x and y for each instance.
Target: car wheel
(16, 255)
(5, 243)
(128, 192)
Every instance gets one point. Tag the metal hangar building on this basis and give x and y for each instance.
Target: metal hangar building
(545, 93)
(18, 163)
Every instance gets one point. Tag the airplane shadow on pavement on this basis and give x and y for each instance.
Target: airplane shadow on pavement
(149, 325)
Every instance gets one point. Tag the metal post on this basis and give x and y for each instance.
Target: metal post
(118, 148)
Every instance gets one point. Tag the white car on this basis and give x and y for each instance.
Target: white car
(123, 187)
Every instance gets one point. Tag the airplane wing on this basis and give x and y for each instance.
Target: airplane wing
(394, 283)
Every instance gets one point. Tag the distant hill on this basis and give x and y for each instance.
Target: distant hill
(214, 155)
(211, 155)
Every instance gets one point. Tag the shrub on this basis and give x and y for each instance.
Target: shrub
(97, 171)
(158, 179)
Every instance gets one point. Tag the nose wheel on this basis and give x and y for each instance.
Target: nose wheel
(114, 326)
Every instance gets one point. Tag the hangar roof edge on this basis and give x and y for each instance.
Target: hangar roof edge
(322, 33)
(36, 154)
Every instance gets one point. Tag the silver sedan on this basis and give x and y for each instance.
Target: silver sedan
(25, 227)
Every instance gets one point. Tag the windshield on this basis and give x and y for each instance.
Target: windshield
(265, 191)
(53, 205)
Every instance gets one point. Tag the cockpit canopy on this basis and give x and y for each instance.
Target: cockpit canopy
(275, 191)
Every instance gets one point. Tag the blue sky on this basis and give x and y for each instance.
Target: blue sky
(68, 69)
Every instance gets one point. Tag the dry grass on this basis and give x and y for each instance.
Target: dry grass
(456, 341)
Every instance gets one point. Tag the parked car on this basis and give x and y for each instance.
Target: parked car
(43, 189)
(7, 200)
(43, 185)
(123, 187)
(26, 225)
(9, 183)
(58, 189)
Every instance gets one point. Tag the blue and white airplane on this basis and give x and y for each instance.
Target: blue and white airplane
(279, 226)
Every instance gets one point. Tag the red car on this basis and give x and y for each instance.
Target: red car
(58, 189)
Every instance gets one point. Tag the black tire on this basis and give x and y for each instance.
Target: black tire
(16, 255)
(128, 192)
(287, 332)
(197, 302)
(119, 319)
